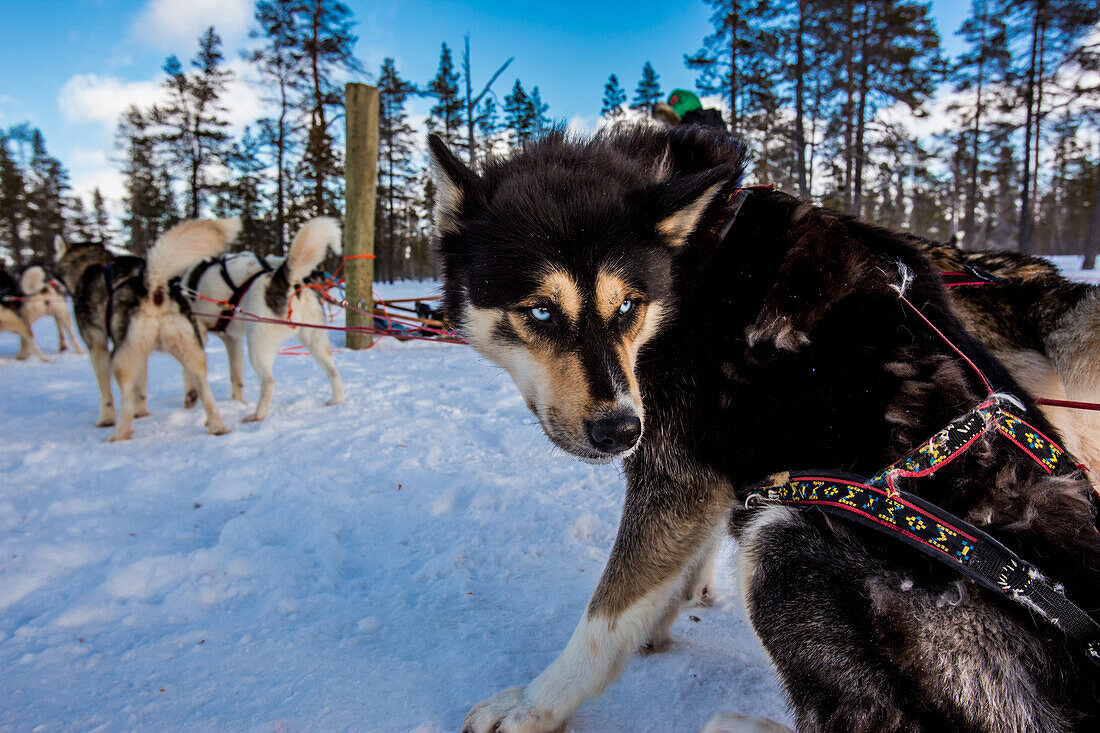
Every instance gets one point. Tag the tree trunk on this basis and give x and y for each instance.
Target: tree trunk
(861, 114)
(1092, 240)
(1023, 242)
(848, 109)
(800, 72)
(734, 20)
(971, 239)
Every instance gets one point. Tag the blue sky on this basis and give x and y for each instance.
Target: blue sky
(71, 67)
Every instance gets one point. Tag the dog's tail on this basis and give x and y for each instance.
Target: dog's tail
(32, 280)
(307, 251)
(182, 246)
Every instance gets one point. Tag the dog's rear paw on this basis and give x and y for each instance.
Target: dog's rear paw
(509, 711)
(217, 428)
(737, 723)
(120, 435)
(105, 422)
(657, 644)
(335, 401)
(253, 418)
(144, 412)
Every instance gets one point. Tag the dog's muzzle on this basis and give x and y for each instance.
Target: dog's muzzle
(614, 434)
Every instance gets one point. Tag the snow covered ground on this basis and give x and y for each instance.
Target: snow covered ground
(381, 565)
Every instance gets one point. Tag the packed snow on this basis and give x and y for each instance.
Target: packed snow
(380, 565)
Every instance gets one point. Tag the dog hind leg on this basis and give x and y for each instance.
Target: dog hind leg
(101, 365)
(317, 342)
(126, 364)
(698, 582)
(178, 339)
(263, 343)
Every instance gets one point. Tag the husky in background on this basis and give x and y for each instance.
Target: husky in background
(42, 296)
(11, 318)
(649, 310)
(125, 310)
(1042, 326)
(271, 288)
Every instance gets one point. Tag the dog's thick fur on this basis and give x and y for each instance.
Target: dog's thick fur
(1043, 327)
(592, 272)
(125, 310)
(42, 296)
(271, 295)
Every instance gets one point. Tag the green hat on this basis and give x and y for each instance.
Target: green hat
(681, 101)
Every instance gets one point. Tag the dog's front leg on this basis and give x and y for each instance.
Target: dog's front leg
(660, 538)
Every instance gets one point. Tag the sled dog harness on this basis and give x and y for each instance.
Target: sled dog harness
(237, 291)
(877, 503)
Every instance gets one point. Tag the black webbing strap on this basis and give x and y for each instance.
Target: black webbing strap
(238, 291)
(940, 535)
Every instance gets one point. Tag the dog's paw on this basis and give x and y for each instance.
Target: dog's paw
(142, 412)
(105, 422)
(509, 711)
(253, 418)
(217, 428)
(120, 435)
(657, 644)
(334, 401)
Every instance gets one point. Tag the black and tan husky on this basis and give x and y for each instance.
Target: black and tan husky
(125, 310)
(649, 311)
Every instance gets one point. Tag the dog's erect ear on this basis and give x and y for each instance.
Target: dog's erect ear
(454, 183)
(59, 246)
(680, 203)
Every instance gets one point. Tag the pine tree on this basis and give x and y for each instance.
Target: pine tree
(982, 69)
(78, 224)
(193, 124)
(648, 92)
(101, 229)
(540, 123)
(280, 64)
(395, 170)
(614, 97)
(13, 204)
(471, 102)
(445, 115)
(243, 196)
(47, 184)
(149, 205)
(327, 46)
(519, 115)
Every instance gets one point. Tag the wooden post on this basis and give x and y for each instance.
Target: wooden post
(361, 177)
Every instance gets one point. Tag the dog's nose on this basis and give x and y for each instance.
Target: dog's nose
(614, 434)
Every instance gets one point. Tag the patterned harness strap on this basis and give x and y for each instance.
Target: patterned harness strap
(877, 502)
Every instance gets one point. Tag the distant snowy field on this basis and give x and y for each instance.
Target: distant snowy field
(381, 565)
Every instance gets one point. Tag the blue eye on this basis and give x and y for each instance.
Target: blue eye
(626, 307)
(540, 314)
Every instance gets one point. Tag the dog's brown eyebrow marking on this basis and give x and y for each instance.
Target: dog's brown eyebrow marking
(559, 287)
(611, 290)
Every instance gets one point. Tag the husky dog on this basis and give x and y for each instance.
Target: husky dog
(270, 288)
(125, 310)
(43, 296)
(649, 310)
(1043, 327)
(11, 317)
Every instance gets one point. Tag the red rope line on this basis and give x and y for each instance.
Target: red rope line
(947, 341)
(1068, 403)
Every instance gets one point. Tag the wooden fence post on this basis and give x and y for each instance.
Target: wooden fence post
(361, 177)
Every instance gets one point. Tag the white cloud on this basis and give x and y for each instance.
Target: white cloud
(103, 99)
(170, 23)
